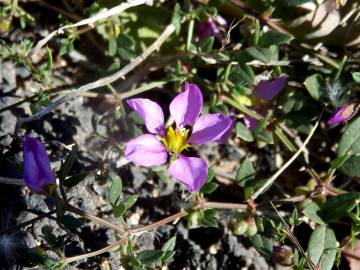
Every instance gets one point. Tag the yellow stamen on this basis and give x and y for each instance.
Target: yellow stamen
(175, 140)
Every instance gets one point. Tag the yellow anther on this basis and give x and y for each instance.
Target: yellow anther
(175, 140)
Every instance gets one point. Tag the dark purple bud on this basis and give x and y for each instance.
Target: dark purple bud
(37, 170)
(211, 27)
(343, 113)
(282, 255)
(267, 90)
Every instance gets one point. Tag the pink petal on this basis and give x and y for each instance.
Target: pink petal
(150, 112)
(267, 90)
(190, 171)
(186, 106)
(146, 150)
(211, 128)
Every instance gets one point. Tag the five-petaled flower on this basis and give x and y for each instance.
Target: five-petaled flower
(37, 170)
(155, 148)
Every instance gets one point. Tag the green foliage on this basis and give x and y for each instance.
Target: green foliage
(313, 85)
(243, 132)
(322, 247)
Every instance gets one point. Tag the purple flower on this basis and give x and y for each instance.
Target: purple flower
(155, 148)
(211, 27)
(264, 92)
(343, 113)
(37, 170)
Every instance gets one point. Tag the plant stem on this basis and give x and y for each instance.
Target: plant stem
(95, 218)
(284, 139)
(18, 226)
(222, 205)
(241, 108)
(96, 252)
(271, 180)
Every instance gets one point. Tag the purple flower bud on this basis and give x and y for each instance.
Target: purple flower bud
(267, 90)
(343, 113)
(211, 27)
(37, 170)
(282, 255)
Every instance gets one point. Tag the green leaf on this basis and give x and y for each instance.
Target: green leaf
(150, 256)
(356, 76)
(75, 179)
(209, 188)
(322, 247)
(339, 206)
(299, 122)
(176, 18)
(49, 59)
(112, 46)
(120, 209)
(350, 141)
(313, 85)
(312, 211)
(245, 173)
(339, 161)
(170, 244)
(207, 44)
(242, 73)
(350, 166)
(115, 190)
(274, 38)
(67, 165)
(265, 55)
(263, 245)
(243, 132)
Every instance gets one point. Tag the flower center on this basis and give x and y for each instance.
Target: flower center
(175, 140)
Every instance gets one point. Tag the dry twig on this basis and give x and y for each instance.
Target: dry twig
(90, 21)
(101, 82)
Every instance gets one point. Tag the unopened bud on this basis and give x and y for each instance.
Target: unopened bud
(282, 255)
(251, 229)
(240, 227)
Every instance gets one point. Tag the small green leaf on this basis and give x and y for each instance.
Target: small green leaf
(350, 166)
(339, 161)
(49, 59)
(356, 76)
(176, 18)
(322, 247)
(263, 245)
(243, 132)
(339, 206)
(150, 256)
(313, 85)
(67, 165)
(112, 46)
(120, 209)
(75, 179)
(274, 38)
(350, 141)
(115, 190)
(245, 173)
(312, 211)
(209, 188)
(207, 44)
(170, 244)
